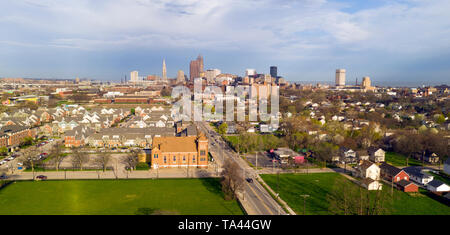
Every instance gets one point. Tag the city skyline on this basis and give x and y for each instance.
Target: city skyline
(307, 42)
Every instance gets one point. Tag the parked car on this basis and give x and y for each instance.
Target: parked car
(11, 158)
(41, 177)
(3, 177)
(250, 180)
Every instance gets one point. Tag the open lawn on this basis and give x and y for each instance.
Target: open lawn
(396, 159)
(175, 196)
(318, 185)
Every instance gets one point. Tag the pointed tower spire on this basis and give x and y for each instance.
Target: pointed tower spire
(164, 71)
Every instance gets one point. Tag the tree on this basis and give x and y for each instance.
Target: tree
(232, 179)
(131, 160)
(3, 151)
(346, 198)
(223, 128)
(79, 159)
(103, 160)
(166, 91)
(30, 158)
(56, 156)
(27, 141)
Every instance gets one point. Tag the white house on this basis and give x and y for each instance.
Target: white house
(416, 175)
(367, 169)
(438, 186)
(371, 184)
(377, 154)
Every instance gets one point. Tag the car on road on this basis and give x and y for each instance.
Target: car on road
(250, 180)
(41, 177)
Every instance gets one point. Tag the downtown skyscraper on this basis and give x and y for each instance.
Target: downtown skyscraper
(164, 71)
(195, 68)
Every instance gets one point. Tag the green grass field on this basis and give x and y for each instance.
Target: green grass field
(112, 197)
(396, 159)
(318, 185)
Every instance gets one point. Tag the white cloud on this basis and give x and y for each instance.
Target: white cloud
(283, 28)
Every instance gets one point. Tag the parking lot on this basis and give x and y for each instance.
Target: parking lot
(13, 161)
(264, 160)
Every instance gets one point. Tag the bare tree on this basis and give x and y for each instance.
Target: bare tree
(346, 198)
(30, 158)
(103, 160)
(56, 156)
(79, 159)
(131, 160)
(232, 179)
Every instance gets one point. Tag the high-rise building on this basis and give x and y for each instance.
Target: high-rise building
(340, 77)
(250, 72)
(273, 71)
(164, 71)
(366, 82)
(134, 76)
(211, 74)
(195, 68)
(180, 77)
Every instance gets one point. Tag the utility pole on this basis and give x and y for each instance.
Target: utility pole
(256, 160)
(304, 202)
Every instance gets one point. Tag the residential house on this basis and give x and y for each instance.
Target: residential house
(362, 155)
(367, 169)
(431, 157)
(407, 186)
(347, 155)
(416, 175)
(376, 154)
(438, 186)
(391, 173)
(371, 184)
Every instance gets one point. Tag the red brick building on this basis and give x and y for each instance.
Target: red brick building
(407, 186)
(392, 173)
(187, 151)
(13, 135)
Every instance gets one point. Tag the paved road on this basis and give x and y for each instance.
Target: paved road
(255, 199)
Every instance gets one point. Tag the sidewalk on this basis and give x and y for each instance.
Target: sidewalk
(148, 174)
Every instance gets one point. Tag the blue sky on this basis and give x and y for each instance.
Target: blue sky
(397, 41)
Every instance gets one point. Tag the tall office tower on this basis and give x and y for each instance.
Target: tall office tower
(180, 76)
(195, 68)
(273, 71)
(366, 83)
(164, 71)
(250, 72)
(340, 77)
(134, 76)
(211, 74)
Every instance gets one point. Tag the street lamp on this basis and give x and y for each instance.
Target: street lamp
(304, 202)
